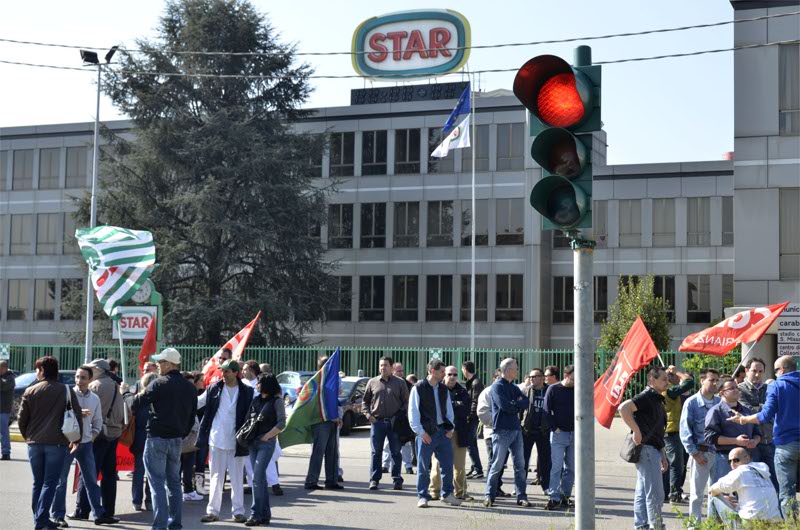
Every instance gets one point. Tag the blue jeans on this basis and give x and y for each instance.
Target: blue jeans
(140, 488)
(649, 495)
(674, 477)
(47, 462)
(562, 472)
(721, 467)
(503, 442)
(324, 446)
(85, 458)
(717, 506)
(105, 462)
(162, 460)
(5, 436)
(443, 449)
(260, 455)
(378, 433)
(787, 468)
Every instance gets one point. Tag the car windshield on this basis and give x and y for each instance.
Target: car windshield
(347, 388)
(25, 380)
(304, 378)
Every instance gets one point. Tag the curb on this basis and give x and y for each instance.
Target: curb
(16, 437)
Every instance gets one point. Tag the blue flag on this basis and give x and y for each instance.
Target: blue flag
(464, 106)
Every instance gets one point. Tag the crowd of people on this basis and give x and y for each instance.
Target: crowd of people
(741, 441)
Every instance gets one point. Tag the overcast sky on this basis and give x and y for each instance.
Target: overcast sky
(668, 110)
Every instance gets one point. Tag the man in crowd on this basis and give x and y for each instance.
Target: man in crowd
(325, 445)
(781, 406)
(484, 412)
(755, 495)
(559, 408)
(536, 430)
(265, 368)
(105, 386)
(461, 401)
(226, 404)
(551, 375)
(405, 451)
(692, 433)
(474, 386)
(385, 398)
(92, 414)
(430, 414)
(647, 419)
(507, 403)
(726, 435)
(173, 405)
(7, 384)
(753, 395)
(676, 475)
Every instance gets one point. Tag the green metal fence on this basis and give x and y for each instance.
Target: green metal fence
(353, 359)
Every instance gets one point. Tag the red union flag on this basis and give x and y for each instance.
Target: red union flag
(746, 326)
(636, 352)
(211, 371)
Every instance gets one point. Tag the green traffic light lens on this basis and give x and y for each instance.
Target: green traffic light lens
(562, 207)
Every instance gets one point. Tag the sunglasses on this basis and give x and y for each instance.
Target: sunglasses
(452, 375)
(733, 461)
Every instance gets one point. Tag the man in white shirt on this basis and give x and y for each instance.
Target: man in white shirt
(750, 481)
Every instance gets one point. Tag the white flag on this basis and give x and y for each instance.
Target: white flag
(458, 138)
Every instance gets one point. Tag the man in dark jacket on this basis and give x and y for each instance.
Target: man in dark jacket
(753, 395)
(474, 387)
(6, 400)
(536, 430)
(226, 404)
(173, 405)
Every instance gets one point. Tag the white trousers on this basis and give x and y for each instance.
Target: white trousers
(272, 469)
(699, 477)
(220, 461)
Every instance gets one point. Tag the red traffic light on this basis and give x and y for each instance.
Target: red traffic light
(553, 91)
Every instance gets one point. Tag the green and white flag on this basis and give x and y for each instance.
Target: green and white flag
(120, 261)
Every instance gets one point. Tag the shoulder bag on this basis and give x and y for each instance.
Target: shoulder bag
(247, 432)
(104, 429)
(630, 452)
(70, 427)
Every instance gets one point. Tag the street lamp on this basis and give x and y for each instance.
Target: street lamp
(90, 57)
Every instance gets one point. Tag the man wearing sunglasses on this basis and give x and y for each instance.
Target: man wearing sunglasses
(726, 435)
(750, 482)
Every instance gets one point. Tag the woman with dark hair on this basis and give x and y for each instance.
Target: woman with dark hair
(267, 406)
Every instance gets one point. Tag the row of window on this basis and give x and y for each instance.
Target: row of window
(20, 163)
(44, 299)
(51, 230)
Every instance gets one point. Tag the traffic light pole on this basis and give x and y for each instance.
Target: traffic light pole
(583, 254)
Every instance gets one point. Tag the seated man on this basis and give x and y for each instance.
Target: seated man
(750, 482)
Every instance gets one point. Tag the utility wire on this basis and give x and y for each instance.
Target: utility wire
(459, 48)
(393, 76)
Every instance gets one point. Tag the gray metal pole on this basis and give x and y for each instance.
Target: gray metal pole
(92, 222)
(583, 251)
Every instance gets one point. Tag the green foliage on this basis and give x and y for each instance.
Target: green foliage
(710, 523)
(636, 298)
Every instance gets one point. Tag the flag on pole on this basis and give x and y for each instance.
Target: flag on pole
(458, 138)
(318, 401)
(211, 371)
(464, 106)
(745, 326)
(149, 344)
(635, 352)
(120, 261)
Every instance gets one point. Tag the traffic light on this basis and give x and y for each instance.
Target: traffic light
(564, 102)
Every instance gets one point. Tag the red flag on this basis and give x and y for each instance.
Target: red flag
(746, 326)
(211, 371)
(149, 344)
(636, 352)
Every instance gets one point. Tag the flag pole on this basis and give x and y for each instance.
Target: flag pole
(474, 220)
(122, 352)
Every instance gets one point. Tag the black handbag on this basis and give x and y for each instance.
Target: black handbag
(247, 432)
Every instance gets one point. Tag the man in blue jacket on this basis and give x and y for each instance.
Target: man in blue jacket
(783, 406)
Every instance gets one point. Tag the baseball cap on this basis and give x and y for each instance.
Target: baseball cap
(231, 365)
(170, 355)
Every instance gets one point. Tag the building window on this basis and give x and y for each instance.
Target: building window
(17, 300)
(663, 222)
(3, 221)
(699, 305)
(70, 243)
(698, 223)
(341, 310)
(76, 167)
(728, 299)
(600, 298)
(21, 234)
(481, 220)
(373, 225)
(481, 145)
(600, 223)
(406, 151)
(481, 297)
(3, 169)
(406, 224)
(373, 153)
(46, 233)
(789, 235)
(49, 167)
(371, 298)
(44, 299)
(23, 170)
(563, 300)
(439, 303)
(727, 221)
(70, 288)
(664, 288)
(314, 228)
(509, 298)
(340, 226)
(789, 89)
(342, 154)
(510, 146)
(405, 298)
(630, 223)
(510, 221)
(435, 164)
(440, 224)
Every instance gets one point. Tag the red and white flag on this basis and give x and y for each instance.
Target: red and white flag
(636, 352)
(149, 344)
(746, 326)
(211, 371)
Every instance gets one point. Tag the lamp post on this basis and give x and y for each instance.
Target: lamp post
(90, 57)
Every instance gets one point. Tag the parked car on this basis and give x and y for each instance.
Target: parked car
(27, 379)
(351, 396)
(292, 383)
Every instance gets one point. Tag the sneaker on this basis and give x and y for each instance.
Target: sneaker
(77, 517)
(334, 487)
(137, 507)
(312, 487)
(501, 493)
(524, 503)
(470, 473)
(252, 522)
(277, 490)
(552, 505)
(676, 499)
(61, 523)
(422, 503)
(373, 485)
(567, 503)
(467, 498)
(488, 503)
(199, 479)
(239, 518)
(535, 482)
(398, 486)
(106, 519)
(209, 518)
(5, 457)
(478, 475)
(451, 500)
(193, 496)
(409, 471)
